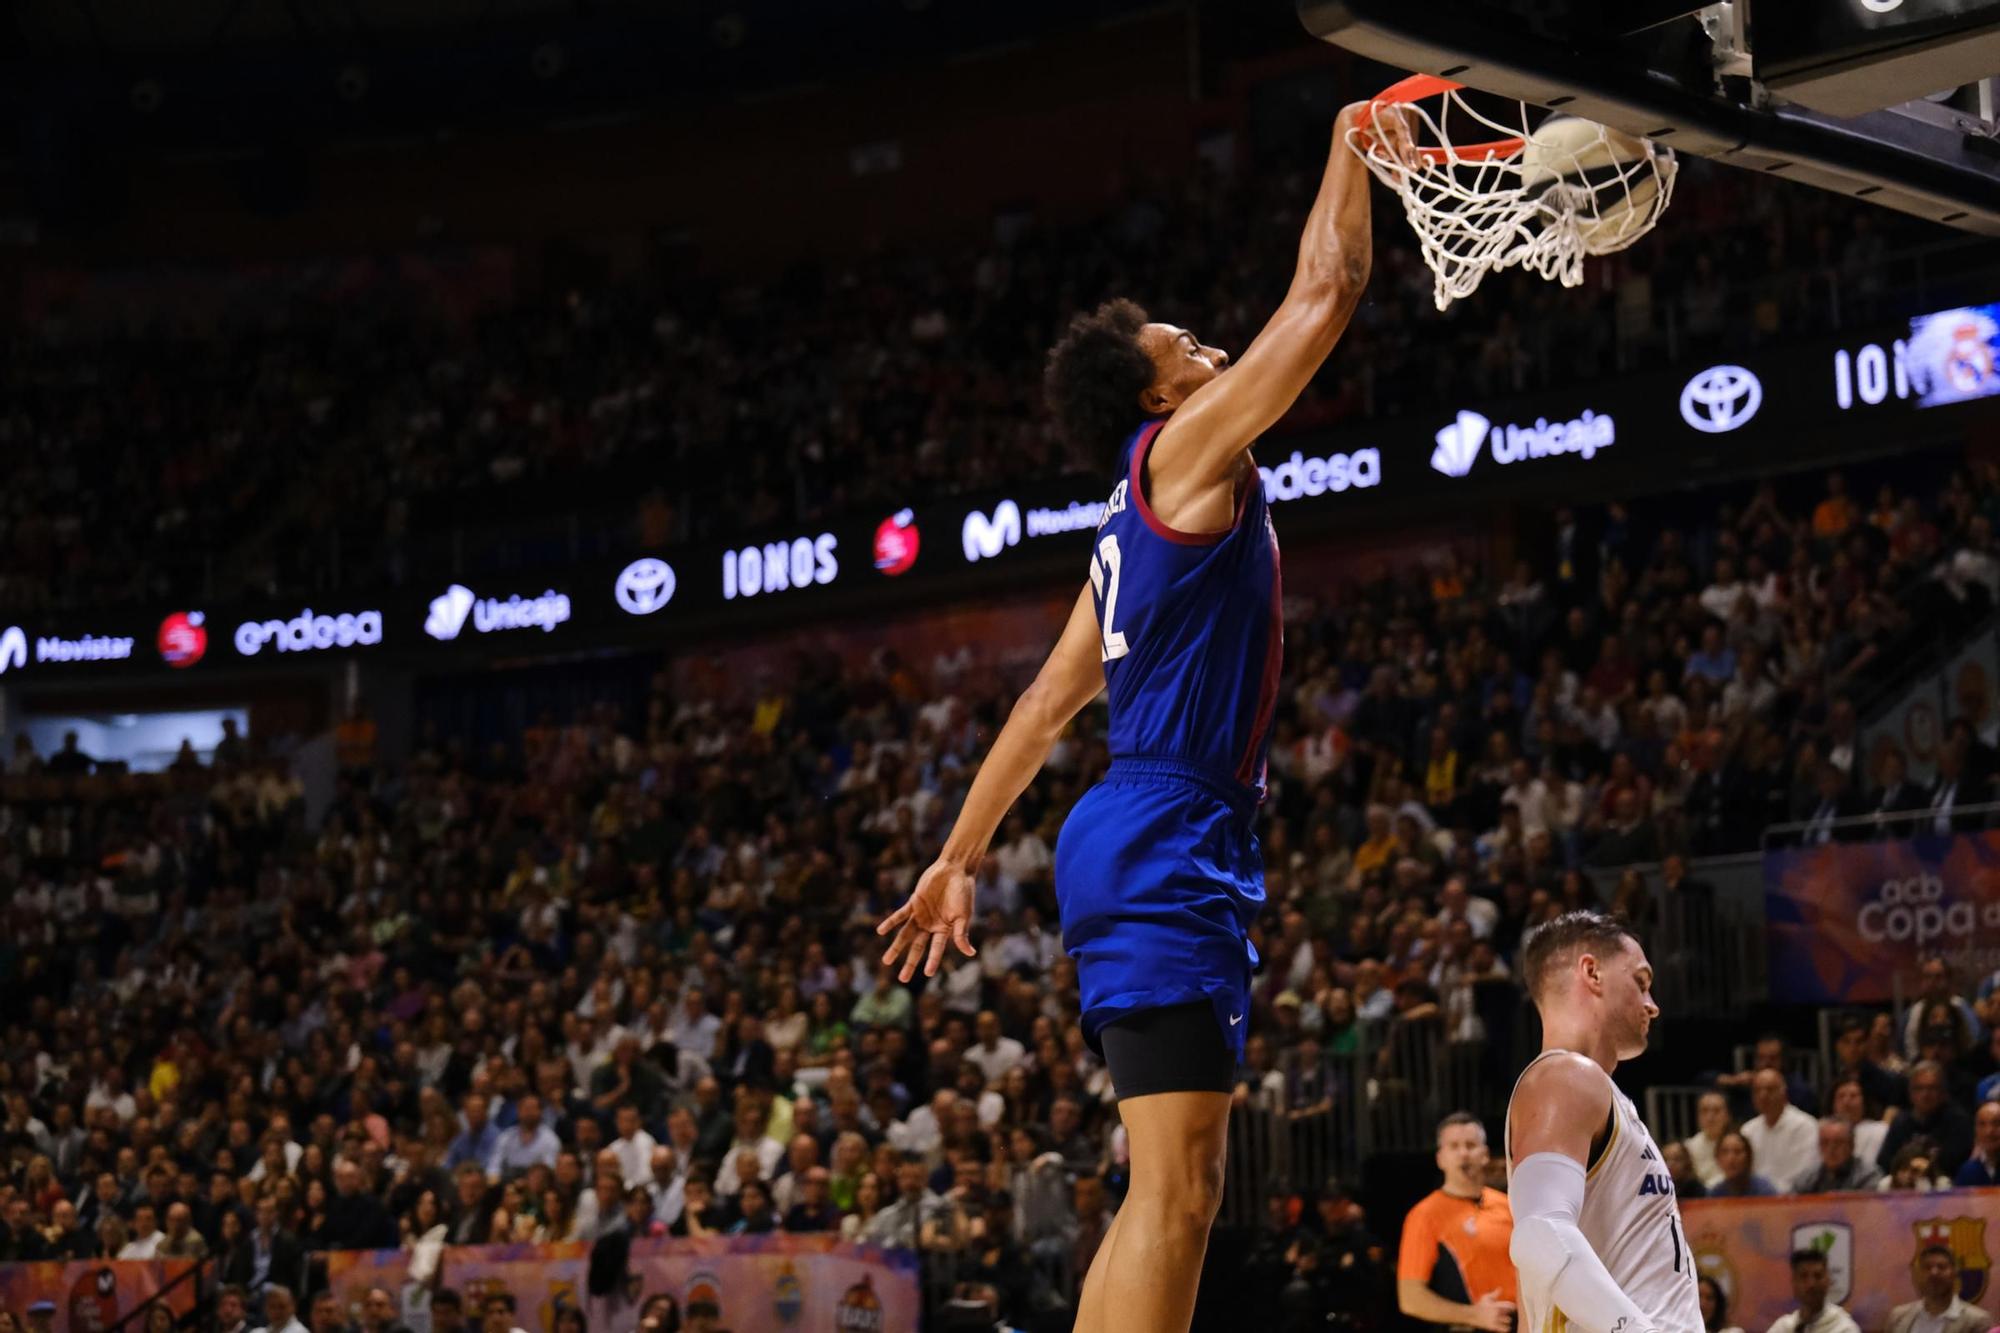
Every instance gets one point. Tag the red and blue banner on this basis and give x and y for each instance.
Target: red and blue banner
(1845, 918)
(1871, 1243)
(91, 1296)
(776, 1282)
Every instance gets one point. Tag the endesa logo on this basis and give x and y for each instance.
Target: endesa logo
(183, 638)
(985, 537)
(1299, 476)
(896, 542)
(489, 615)
(1459, 443)
(308, 632)
(776, 566)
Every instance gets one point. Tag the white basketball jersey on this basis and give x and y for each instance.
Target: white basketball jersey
(1631, 1218)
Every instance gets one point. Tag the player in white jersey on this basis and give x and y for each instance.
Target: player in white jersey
(1598, 1240)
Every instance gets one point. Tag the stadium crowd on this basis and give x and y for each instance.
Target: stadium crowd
(620, 973)
(251, 460)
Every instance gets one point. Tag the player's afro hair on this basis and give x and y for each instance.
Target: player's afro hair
(1095, 374)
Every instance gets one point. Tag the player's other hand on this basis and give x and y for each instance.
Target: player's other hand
(1391, 124)
(938, 913)
(1493, 1314)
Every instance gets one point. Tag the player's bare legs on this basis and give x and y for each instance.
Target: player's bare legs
(1146, 1272)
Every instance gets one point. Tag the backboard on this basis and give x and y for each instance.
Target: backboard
(1885, 100)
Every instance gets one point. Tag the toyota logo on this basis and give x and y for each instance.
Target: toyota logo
(1720, 399)
(645, 585)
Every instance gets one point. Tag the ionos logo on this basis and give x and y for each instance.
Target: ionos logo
(1915, 910)
(644, 586)
(1720, 399)
(1301, 476)
(1458, 444)
(491, 615)
(13, 648)
(987, 537)
(306, 632)
(776, 566)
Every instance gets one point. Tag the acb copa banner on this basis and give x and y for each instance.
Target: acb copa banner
(1844, 919)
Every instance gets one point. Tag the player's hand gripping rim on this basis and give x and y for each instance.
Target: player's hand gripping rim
(938, 913)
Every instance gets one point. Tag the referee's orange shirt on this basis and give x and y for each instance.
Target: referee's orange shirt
(1458, 1247)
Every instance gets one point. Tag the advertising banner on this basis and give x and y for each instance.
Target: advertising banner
(1810, 403)
(1870, 1241)
(782, 1281)
(352, 1274)
(541, 1278)
(93, 1295)
(1845, 918)
(772, 1282)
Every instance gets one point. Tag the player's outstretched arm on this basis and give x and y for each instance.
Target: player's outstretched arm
(939, 911)
(1558, 1109)
(1199, 444)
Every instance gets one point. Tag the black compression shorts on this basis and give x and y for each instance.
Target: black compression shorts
(1178, 1048)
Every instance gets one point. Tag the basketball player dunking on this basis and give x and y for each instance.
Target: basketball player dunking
(1157, 872)
(1598, 1241)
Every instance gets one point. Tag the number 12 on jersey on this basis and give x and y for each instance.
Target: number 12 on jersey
(1104, 580)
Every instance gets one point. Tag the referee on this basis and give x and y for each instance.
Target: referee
(1455, 1241)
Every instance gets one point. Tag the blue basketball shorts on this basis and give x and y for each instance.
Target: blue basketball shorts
(1159, 877)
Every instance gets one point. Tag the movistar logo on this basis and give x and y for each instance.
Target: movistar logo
(1458, 444)
(987, 537)
(13, 648)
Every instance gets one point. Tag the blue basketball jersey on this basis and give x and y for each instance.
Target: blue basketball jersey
(1192, 634)
(1158, 873)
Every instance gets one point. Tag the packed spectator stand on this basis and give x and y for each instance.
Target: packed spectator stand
(620, 973)
(614, 974)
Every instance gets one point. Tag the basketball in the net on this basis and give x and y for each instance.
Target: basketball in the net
(1599, 171)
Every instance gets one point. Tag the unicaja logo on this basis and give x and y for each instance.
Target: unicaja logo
(13, 648)
(1458, 444)
(987, 537)
(489, 614)
(448, 613)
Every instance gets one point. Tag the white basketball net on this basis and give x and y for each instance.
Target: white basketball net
(1541, 204)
